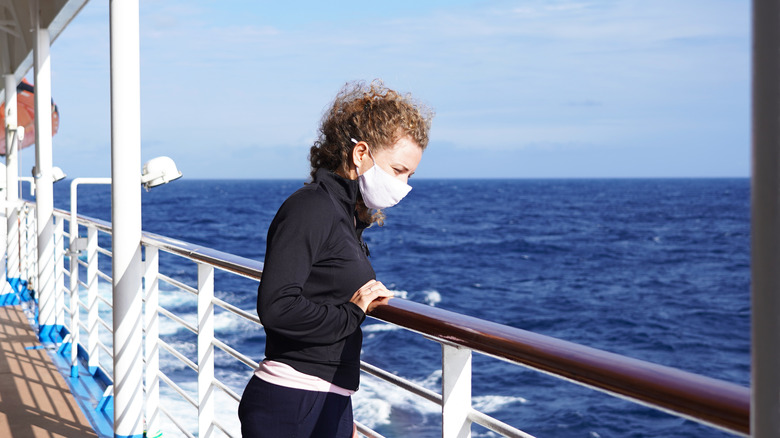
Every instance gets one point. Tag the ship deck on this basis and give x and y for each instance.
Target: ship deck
(35, 399)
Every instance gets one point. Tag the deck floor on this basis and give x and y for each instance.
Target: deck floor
(35, 400)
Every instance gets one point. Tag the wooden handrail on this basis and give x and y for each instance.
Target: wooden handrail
(229, 262)
(716, 402)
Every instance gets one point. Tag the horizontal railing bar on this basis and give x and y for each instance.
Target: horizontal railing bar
(220, 427)
(106, 372)
(87, 221)
(178, 355)
(104, 251)
(184, 323)
(82, 262)
(176, 423)
(496, 426)
(105, 301)
(234, 395)
(107, 350)
(106, 325)
(366, 431)
(233, 352)
(177, 283)
(240, 312)
(82, 284)
(705, 399)
(403, 383)
(104, 276)
(176, 388)
(229, 262)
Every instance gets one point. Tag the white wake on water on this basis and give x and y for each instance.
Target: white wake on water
(374, 402)
(432, 297)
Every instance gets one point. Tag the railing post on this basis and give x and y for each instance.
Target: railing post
(59, 268)
(205, 350)
(11, 188)
(23, 242)
(93, 333)
(73, 287)
(49, 330)
(456, 392)
(151, 347)
(127, 272)
(28, 228)
(7, 295)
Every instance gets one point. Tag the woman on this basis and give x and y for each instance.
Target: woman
(318, 283)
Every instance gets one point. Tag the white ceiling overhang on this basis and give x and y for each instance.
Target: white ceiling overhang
(17, 23)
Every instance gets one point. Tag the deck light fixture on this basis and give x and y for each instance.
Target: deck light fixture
(56, 173)
(158, 171)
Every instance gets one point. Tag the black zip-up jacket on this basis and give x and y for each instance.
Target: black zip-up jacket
(315, 261)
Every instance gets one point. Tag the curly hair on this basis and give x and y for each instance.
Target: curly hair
(372, 113)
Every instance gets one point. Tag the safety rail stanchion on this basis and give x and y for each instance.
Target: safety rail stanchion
(25, 256)
(44, 192)
(13, 249)
(24, 244)
(126, 269)
(93, 331)
(32, 250)
(21, 229)
(30, 243)
(456, 391)
(205, 350)
(6, 293)
(32, 254)
(75, 310)
(11, 186)
(151, 341)
(59, 276)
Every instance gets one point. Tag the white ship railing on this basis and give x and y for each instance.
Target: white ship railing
(712, 402)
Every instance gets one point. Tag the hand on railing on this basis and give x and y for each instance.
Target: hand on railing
(371, 294)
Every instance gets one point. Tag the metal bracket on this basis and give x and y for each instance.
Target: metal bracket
(79, 244)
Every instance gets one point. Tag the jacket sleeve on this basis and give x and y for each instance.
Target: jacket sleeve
(297, 234)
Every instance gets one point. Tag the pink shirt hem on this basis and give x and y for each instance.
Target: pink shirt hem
(282, 374)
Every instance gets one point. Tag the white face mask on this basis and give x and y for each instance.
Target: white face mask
(379, 188)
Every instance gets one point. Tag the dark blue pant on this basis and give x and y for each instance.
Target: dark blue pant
(273, 411)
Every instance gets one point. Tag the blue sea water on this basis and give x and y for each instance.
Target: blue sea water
(656, 269)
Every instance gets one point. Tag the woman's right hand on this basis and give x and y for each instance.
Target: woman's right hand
(370, 294)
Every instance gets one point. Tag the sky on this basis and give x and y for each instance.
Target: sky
(521, 89)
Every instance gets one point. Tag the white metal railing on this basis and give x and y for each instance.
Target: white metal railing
(91, 342)
(28, 246)
(91, 347)
(88, 348)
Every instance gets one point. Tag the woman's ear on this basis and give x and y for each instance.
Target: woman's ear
(359, 153)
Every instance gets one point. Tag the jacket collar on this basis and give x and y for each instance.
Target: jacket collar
(345, 191)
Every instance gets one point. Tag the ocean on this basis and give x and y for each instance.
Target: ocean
(655, 269)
